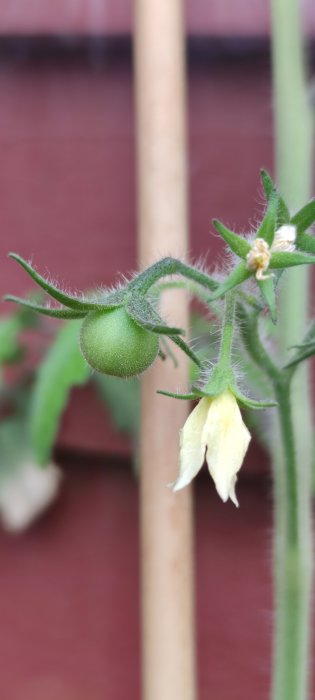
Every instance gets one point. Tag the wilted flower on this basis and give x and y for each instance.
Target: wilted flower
(258, 258)
(214, 430)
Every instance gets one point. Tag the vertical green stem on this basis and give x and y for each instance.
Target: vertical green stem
(227, 329)
(292, 548)
(292, 564)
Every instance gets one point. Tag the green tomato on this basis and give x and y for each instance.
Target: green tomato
(112, 343)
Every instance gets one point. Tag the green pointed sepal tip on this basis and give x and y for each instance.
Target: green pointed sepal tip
(283, 214)
(66, 314)
(184, 397)
(237, 276)
(282, 260)
(251, 403)
(72, 302)
(236, 243)
(268, 225)
(303, 219)
(267, 289)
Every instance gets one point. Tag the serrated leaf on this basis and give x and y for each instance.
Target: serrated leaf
(122, 399)
(236, 243)
(62, 368)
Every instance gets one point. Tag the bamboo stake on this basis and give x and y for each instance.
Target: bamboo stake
(166, 519)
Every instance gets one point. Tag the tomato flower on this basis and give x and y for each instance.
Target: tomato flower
(214, 429)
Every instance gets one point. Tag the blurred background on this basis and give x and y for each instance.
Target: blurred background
(69, 583)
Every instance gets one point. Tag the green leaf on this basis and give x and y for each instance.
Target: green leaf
(145, 315)
(46, 310)
(14, 444)
(122, 399)
(267, 288)
(282, 260)
(73, 302)
(238, 275)
(10, 328)
(236, 243)
(304, 218)
(62, 368)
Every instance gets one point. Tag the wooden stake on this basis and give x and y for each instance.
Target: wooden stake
(168, 671)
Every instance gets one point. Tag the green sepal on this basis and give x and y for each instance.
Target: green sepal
(184, 397)
(167, 351)
(236, 243)
(267, 183)
(67, 314)
(186, 349)
(267, 227)
(306, 242)
(105, 299)
(304, 218)
(145, 315)
(267, 289)
(282, 260)
(219, 380)
(283, 214)
(73, 302)
(251, 403)
(238, 275)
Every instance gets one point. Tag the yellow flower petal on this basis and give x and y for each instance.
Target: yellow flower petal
(226, 439)
(192, 451)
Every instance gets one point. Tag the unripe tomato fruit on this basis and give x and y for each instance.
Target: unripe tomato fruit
(112, 343)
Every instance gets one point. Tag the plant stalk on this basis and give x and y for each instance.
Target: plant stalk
(292, 444)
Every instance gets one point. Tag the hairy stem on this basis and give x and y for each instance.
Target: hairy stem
(292, 564)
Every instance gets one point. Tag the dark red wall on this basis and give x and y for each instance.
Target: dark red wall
(69, 603)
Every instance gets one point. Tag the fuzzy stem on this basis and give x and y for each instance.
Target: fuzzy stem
(170, 266)
(227, 330)
(292, 561)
